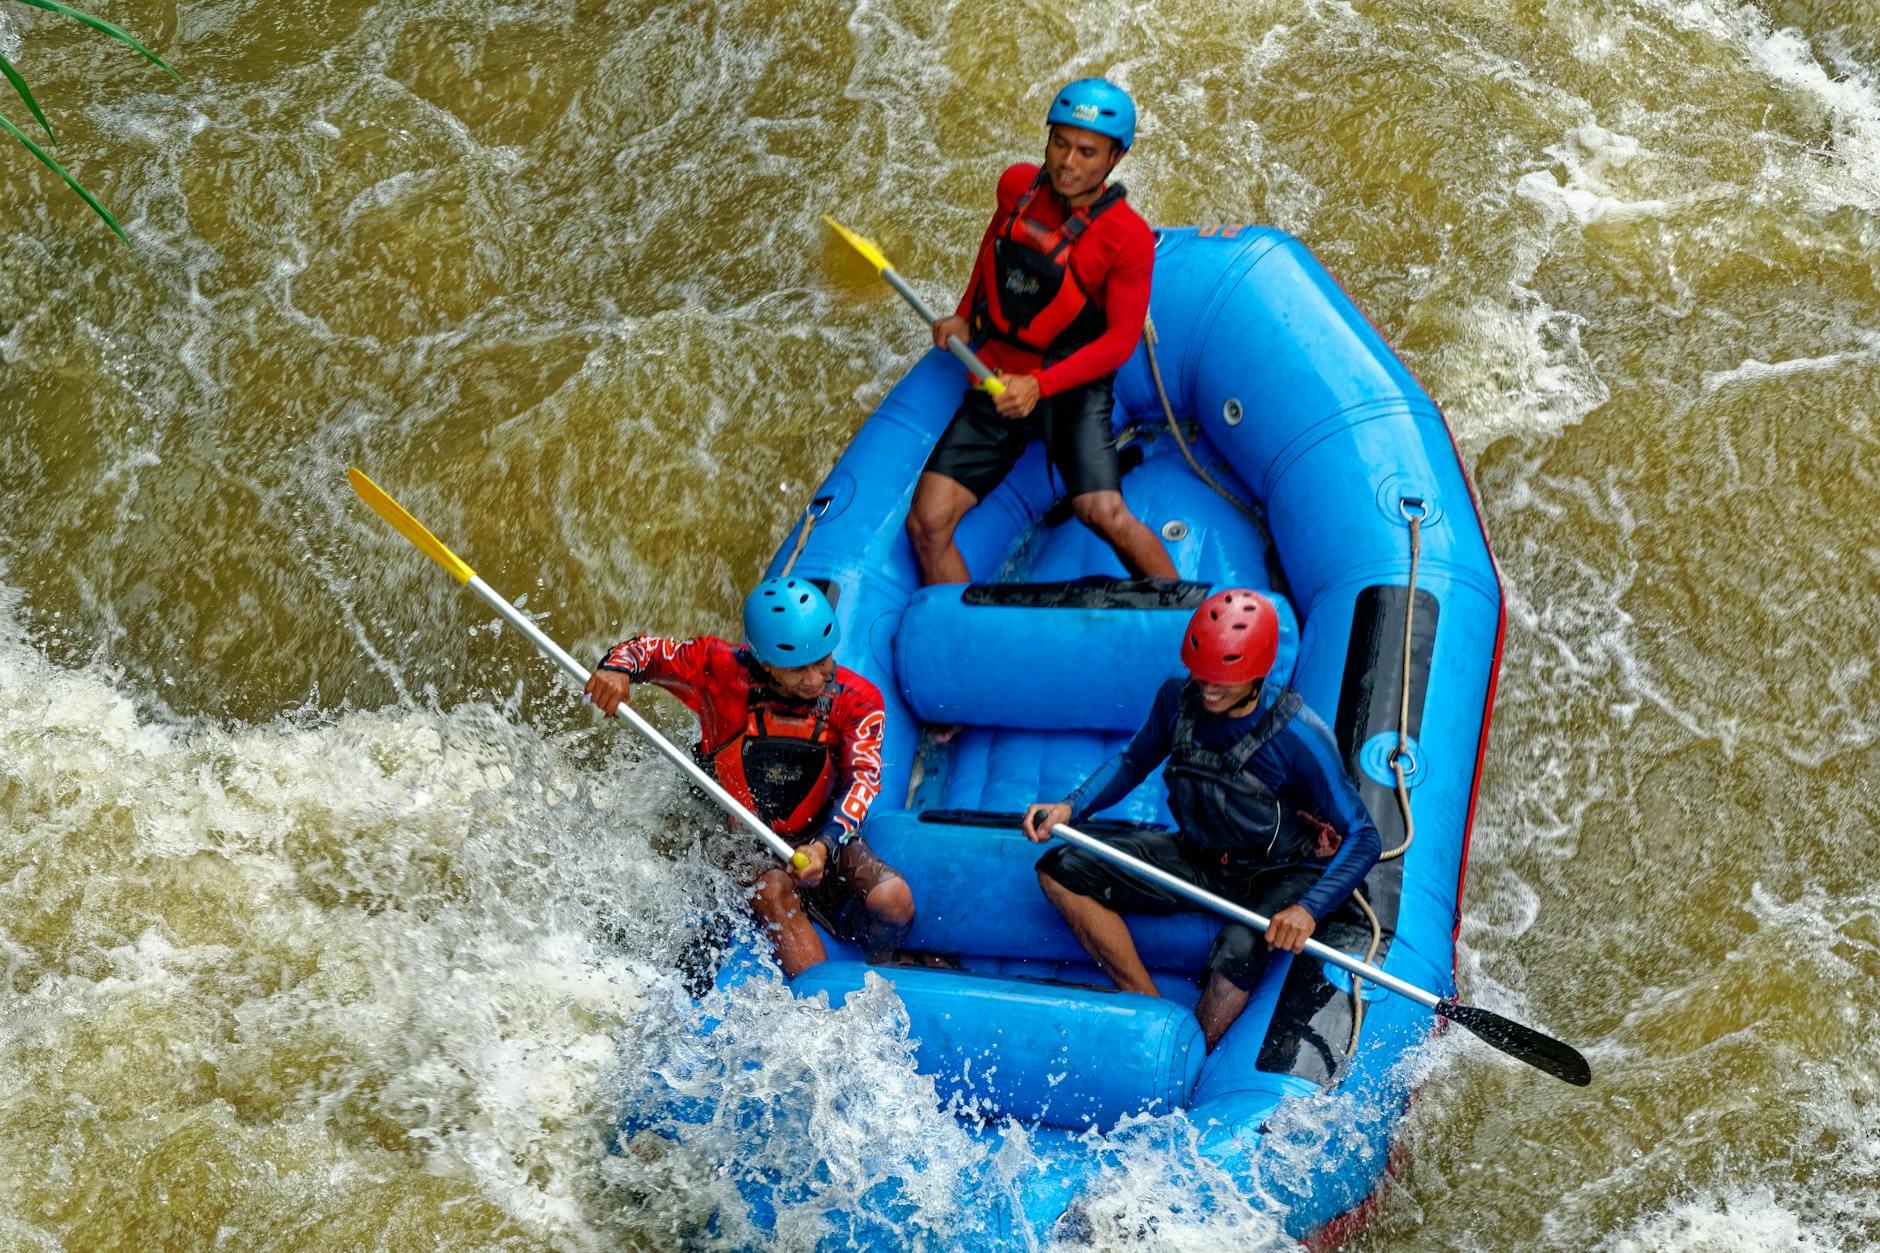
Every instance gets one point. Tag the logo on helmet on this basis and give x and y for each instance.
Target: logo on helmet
(1084, 112)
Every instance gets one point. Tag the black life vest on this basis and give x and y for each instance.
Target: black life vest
(1222, 805)
(1028, 293)
(782, 764)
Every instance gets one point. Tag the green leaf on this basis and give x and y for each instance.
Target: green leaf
(26, 94)
(103, 27)
(71, 182)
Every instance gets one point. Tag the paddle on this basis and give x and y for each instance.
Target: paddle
(432, 547)
(1542, 1052)
(983, 377)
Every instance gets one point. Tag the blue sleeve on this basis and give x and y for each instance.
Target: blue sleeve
(1124, 773)
(1312, 755)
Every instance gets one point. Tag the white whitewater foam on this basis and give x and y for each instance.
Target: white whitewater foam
(1592, 156)
(1760, 371)
(407, 878)
(1849, 174)
(1750, 1222)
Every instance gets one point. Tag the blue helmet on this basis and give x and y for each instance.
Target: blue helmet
(1096, 104)
(789, 623)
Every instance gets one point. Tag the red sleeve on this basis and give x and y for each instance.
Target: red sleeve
(965, 307)
(679, 666)
(1125, 299)
(859, 720)
(1016, 180)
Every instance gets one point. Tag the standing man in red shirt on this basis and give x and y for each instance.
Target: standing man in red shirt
(1056, 303)
(797, 739)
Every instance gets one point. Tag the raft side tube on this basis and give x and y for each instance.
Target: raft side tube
(979, 895)
(978, 655)
(1062, 1056)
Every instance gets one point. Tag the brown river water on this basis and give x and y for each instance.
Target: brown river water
(328, 920)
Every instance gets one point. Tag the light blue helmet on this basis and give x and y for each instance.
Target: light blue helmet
(1096, 104)
(789, 623)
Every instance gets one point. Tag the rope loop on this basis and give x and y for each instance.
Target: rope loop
(812, 514)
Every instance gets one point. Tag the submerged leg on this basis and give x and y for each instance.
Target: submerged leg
(774, 901)
(1104, 935)
(1137, 547)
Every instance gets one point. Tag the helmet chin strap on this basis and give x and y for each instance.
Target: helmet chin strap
(1251, 698)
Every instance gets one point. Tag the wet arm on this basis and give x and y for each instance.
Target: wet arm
(1124, 773)
(1315, 760)
(858, 781)
(676, 665)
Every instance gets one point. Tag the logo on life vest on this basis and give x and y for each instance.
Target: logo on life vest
(1084, 112)
(1020, 284)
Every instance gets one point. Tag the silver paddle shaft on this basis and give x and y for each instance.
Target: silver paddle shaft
(1239, 913)
(678, 757)
(955, 344)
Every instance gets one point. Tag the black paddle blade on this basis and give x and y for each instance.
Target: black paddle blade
(1542, 1052)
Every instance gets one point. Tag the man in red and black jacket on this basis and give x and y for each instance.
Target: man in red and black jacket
(797, 739)
(1056, 304)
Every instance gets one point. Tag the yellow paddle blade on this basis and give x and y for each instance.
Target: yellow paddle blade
(408, 526)
(864, 246)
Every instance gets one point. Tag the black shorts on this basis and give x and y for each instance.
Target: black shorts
(839, 901)
(1239, 952)
(979, 448)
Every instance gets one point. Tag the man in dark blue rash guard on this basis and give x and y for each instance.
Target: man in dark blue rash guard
(1253, 778)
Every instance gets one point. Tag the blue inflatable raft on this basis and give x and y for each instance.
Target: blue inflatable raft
(1355, 512)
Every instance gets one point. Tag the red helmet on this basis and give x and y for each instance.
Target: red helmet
(1232, 638)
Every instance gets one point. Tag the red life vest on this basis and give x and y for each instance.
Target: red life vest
(782, 764)
(1028, 293)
